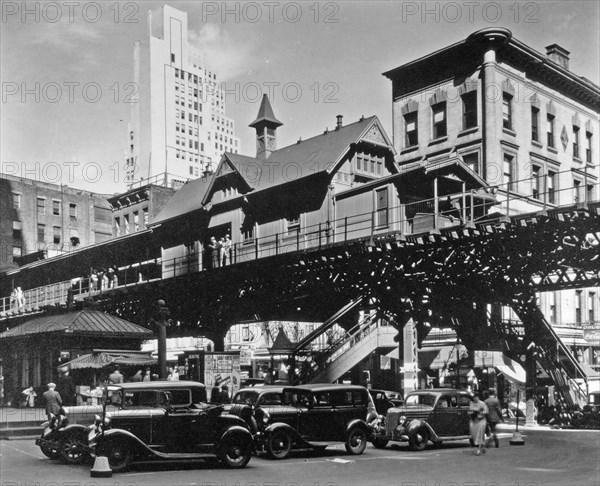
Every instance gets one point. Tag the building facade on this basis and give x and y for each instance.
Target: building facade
(38, 219)
(135, 209)
(522, 121)
(178, 128)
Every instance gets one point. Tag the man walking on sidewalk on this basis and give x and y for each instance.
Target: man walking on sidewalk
(494, 415)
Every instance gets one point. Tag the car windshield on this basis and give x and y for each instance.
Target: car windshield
(245, 397)
(420, 399)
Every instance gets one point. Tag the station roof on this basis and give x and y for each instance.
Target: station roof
(82, 323)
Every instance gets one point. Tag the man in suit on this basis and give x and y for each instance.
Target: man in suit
(52, 400)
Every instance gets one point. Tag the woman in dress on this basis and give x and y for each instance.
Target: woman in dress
(478, 411)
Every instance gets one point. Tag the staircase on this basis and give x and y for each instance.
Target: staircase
(550, 352)
(553, 356)
(362, 340)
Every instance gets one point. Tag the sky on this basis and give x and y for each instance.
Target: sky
(66, 67)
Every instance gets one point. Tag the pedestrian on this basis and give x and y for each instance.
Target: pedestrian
(214, 250)
(20, 298)
(147, 375)
(137, 377)
(29, 397)
(215, 395)
(225, 394)
(13, 299)
(52, 400)
(478, 411)
(94, 280)
(115, 377)
(494, 415)
(66, 389)
(226, 250)
(173, 374)
(111, 278)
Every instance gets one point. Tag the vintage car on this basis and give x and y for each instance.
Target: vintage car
(591, 411)
(316, 416)
(148, 427)
(434, 415)
(69, 438)
(385, 399)
(263, 396)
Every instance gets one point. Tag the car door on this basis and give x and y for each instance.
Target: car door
(446, 416)
(464, 400)
(319, 421)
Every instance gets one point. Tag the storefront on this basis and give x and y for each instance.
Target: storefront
(33, 352)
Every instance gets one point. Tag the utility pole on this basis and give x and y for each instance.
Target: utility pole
(162, 322)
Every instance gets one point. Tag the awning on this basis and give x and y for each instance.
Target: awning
(514, 373)
(102, 359)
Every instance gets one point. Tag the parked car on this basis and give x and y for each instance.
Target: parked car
(148, 427)
(69, 439)
(264, 396)
(591, 411)
(316, 416)
(434, 415)
(385, 399)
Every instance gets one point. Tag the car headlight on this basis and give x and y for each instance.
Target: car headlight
(266, 417)
(402, 420)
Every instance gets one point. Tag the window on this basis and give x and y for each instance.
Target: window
(293, 224)
(41, 233)
(577, 196)
(17, 230)
(118, 226)
(507, 111)
(41, 205)
(469, 101)
(588, 147)
(551, 187)
(56, 235)
(550, 130)
(552, 307)
(17, 251)
(472, 161)
(439, 120)
(411, 131)
(72, 210)
(136, 221)
(590, 192)
(248, 233)
(535, 182)
(535, 121)
(508, 172)
(145, 217)
(591, 306)
(16, 197)
(382, 207)
(578, 296)
(172, 57)
(575, 142)
(126, 222)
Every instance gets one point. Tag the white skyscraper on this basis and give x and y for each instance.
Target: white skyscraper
(178, 126)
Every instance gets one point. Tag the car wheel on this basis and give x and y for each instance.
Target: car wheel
(72, 448)
(418, 442)
(49, 452)
(279, 445)
(118, 454)
(379, 443)
(356, 441)
(236, 450)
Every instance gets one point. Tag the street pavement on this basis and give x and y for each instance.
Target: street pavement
(549, 457)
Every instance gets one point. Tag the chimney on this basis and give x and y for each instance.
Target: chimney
(339, 122)
(558, 55)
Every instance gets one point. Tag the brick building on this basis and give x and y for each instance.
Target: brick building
(38, 219)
